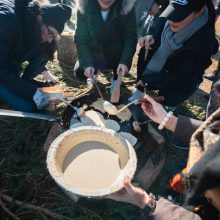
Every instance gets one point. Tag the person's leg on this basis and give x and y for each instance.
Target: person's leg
(113, 55)
(16, 102)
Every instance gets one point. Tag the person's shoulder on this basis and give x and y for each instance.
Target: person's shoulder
(206, 32)
(202, 36)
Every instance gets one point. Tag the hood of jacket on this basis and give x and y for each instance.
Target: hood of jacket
(127, 6)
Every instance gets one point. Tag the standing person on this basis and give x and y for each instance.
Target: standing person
(105, 37)
(28, 32)
(178, 58)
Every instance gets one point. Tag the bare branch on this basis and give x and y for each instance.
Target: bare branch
(8, 211)
(9, 199)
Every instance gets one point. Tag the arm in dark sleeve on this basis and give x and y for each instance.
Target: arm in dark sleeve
(167, 210)
(9, 35)
(130, 40)
(82, 40)
(185, 128)
(156, 30)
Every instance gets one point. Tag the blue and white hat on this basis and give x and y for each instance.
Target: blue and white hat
(177, 10)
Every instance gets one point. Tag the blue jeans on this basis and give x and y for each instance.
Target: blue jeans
(15, 101)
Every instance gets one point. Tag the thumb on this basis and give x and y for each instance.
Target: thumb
(128, 186)
(151, 100)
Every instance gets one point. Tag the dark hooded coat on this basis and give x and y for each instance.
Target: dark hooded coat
(93, 35)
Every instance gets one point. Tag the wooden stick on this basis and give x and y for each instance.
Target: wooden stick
(116, 92)
(147, 48)
(131, 103)
(97, 87)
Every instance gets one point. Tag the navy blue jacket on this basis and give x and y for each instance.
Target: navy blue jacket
(11, 38)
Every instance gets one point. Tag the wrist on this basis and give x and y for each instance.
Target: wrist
(144, 201)
(171, 124)
(150, 205)
(165, 120)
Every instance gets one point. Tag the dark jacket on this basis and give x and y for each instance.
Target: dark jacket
(93, 35)
(11, 47)
(187, 64)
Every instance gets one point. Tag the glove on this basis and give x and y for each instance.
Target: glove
(49, 77)
(40, 100)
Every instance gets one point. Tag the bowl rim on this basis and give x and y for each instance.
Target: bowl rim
(55, 171)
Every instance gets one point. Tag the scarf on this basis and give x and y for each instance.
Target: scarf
(171, 41)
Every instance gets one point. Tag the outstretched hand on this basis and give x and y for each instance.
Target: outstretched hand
(130, 194)
(146, 41)
(154, 110)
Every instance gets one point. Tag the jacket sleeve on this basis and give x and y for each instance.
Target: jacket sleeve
(156, 30)
(187, 72)
(185, 128)
(167, 210)
(9, 35)
(82, 40)
(130, 40)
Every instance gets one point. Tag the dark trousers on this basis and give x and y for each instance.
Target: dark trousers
(107, 60)
(36, 64)
(170, 86)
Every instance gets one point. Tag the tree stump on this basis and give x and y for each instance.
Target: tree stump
(66, 52)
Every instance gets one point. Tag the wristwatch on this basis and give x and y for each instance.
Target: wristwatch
(150, 206)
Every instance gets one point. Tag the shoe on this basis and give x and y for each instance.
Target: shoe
(113, 85)
(136, 95)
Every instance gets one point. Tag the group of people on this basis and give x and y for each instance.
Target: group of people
(172, 56)
(176, 41)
